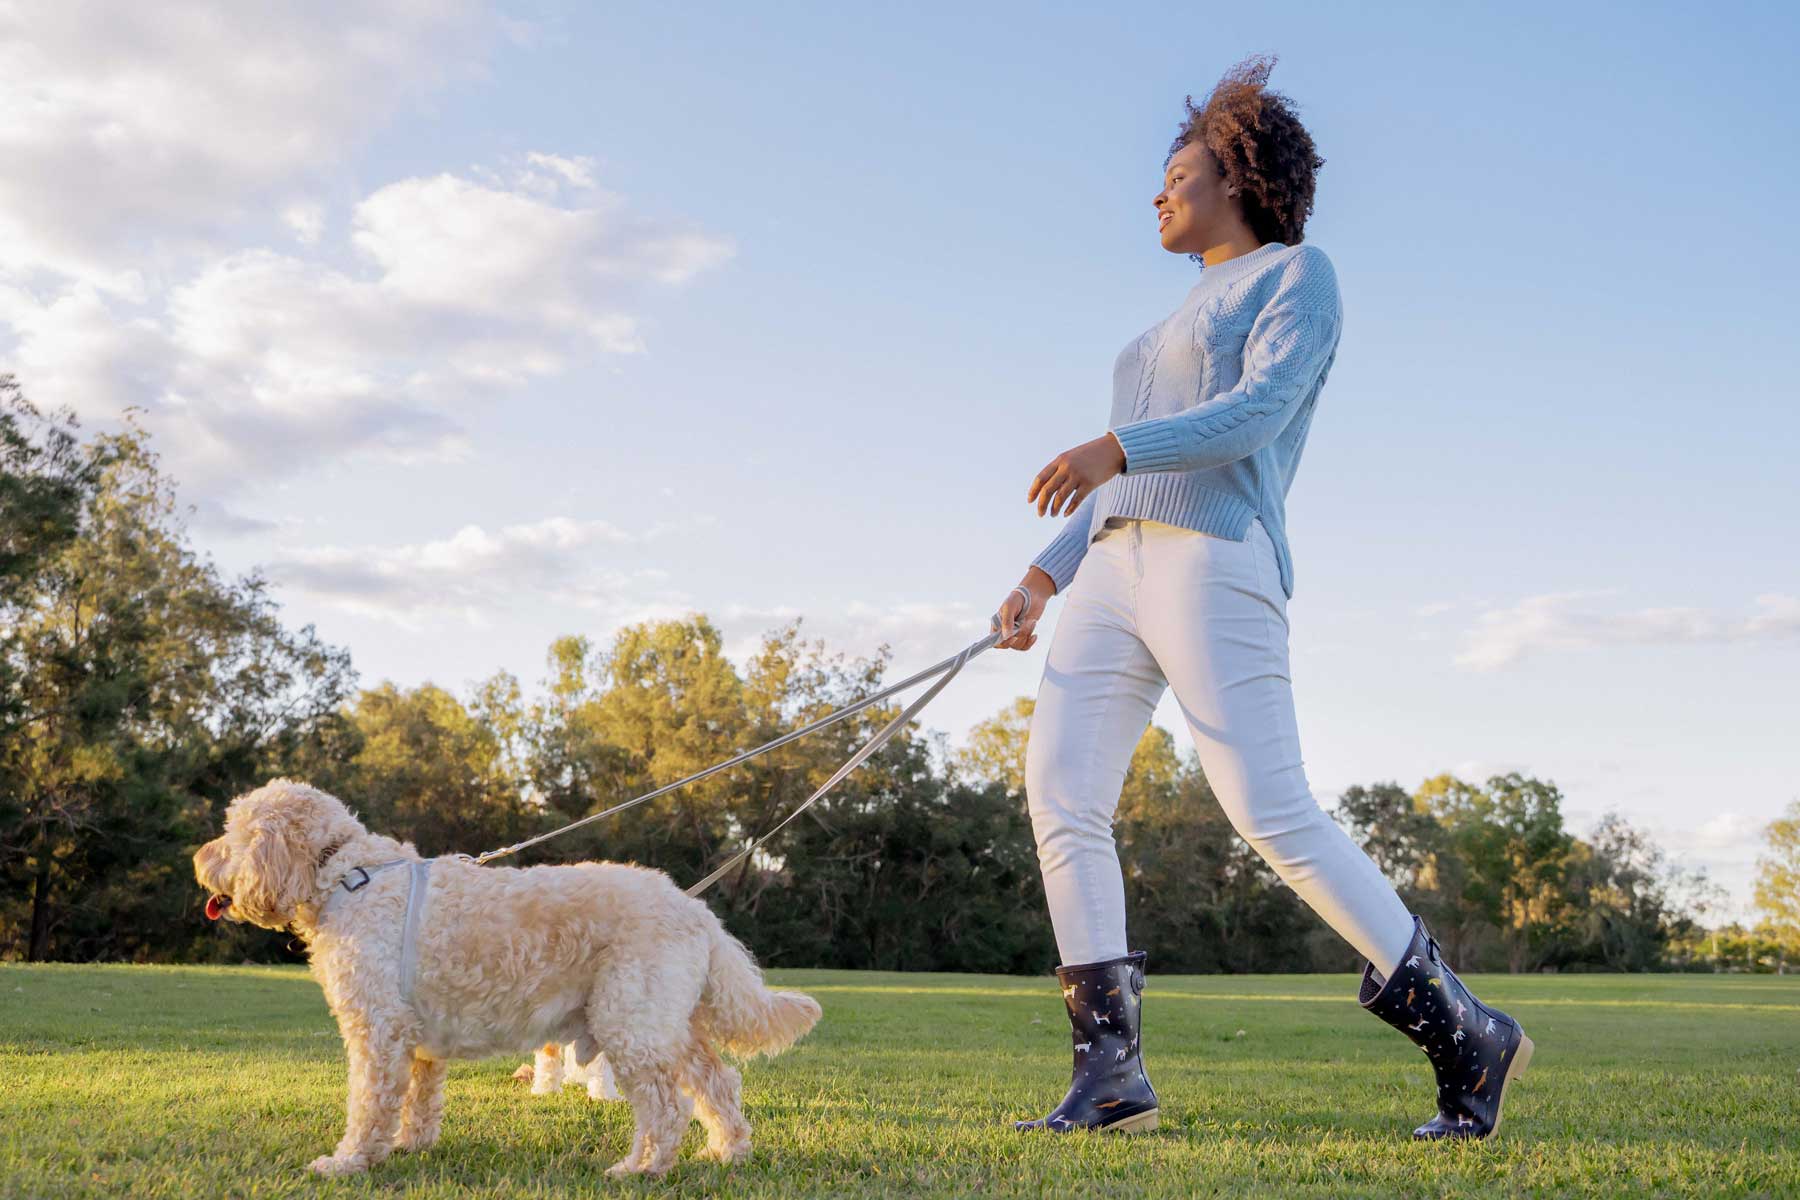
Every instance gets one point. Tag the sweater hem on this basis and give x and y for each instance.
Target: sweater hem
(1176, 499)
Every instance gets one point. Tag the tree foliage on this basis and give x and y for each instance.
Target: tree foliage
(141, 689)
(1778, 884)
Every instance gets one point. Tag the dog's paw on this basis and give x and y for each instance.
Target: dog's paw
(330, 1165)
(626, 1166)
(525, 1074)
(411, 1141)
(724, 1152)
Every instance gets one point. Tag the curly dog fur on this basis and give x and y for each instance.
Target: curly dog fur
(508, 960)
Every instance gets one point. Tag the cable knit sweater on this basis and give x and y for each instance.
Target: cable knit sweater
(1212, 405)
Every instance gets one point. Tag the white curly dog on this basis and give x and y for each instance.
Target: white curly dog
(607, 956)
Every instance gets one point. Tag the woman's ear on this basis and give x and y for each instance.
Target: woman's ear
(271, 884)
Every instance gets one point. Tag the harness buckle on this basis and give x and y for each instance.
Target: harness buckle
(357, 886)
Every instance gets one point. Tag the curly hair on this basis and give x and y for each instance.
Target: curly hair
(1261, 147)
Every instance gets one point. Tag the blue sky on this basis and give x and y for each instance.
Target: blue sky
(473, 326)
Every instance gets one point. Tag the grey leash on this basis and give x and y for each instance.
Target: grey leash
(947, 670)
(418, 879)
(855, 760)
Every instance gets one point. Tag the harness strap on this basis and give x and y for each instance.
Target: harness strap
(418, 878)
(416, 884)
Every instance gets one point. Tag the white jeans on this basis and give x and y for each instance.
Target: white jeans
(1154, 606)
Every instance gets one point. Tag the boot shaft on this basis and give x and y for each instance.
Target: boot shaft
(1104, 999)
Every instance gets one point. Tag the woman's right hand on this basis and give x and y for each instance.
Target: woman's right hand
(1023, 607)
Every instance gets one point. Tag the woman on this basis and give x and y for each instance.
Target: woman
(1176, 572)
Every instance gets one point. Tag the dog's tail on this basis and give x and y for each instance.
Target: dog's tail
(743, 1015)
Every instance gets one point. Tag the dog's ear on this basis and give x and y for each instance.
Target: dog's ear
(273, 879)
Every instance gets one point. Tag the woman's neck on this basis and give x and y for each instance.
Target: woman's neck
(1239, 243)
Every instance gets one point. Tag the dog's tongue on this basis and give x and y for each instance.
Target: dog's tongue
(215, 907)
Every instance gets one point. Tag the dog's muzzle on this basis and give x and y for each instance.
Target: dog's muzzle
(216, 906)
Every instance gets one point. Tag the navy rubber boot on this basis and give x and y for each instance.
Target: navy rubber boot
(1109, 1089)
(1475, 1050)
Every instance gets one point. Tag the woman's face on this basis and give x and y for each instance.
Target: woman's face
(1193, 211)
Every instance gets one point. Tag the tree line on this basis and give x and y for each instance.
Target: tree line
(140, 690)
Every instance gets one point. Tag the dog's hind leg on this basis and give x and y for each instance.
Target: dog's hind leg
(378, 1083)
(423, 1114)
(640, 1012)
(656, 1106)
(716, 1090)
(547, 1070)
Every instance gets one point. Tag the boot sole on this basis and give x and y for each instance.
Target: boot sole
(1515, 1071)
(1142, 1122)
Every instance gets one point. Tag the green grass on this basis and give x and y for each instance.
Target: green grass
(194, 1081)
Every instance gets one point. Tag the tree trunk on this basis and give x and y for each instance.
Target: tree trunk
(39, 946)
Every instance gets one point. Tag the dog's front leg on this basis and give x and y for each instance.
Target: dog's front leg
(378, 1082)
(423, 1115)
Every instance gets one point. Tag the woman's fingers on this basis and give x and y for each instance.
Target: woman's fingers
(1016, 622)
(1065, 497)
(1070, 497)
(1022, 638)
(1056, 482)
(1058, 489)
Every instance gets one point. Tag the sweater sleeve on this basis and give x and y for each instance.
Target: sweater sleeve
(1066, 550)
(1290, 346)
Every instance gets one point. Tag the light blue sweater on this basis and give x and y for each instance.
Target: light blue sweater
(1213, 404)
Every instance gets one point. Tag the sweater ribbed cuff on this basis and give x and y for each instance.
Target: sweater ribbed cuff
(1059, 560)
(1151, 445)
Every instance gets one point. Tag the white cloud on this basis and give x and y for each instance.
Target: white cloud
(79, 351)
(128, 129)
(1568, 621)
(576, 172)
(1727, 831)
(154, 154)
(476, 575)
(264, 362)
(306, 219)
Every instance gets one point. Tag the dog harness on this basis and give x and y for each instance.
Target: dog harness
(358, 878)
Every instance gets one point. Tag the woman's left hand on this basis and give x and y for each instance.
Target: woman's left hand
(1072, 475)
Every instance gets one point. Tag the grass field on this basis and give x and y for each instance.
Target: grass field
(193, 1081)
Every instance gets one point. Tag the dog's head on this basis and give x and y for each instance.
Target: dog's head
(264, 865)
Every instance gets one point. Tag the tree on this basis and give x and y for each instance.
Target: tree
(1504, 866)
(426, 769)
(661, 703)
(1399, 832)
(140, 687)
(1622, 912)
(995, 752)
(1778, 884)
